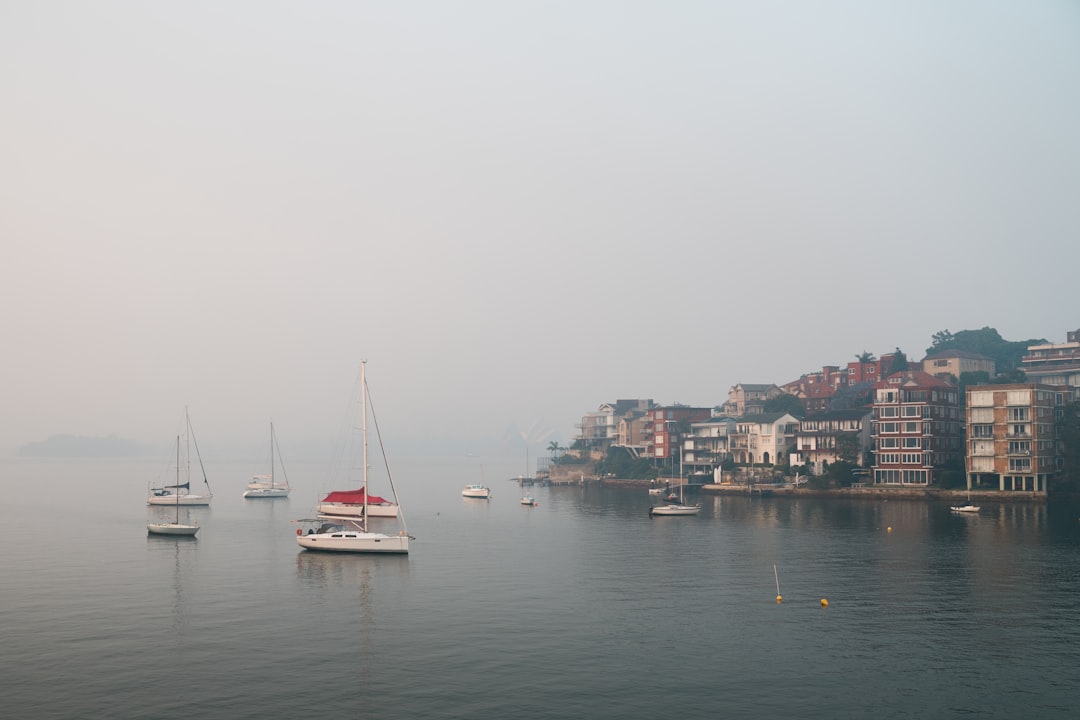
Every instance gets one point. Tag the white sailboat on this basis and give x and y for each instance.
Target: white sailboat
(339, 534)
(268, 486)
(477, 490)
(679, 506)
(526, 498)
(174, 528)
(967, 507)
(180, 493)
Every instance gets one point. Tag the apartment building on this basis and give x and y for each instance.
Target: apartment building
(664, 426)
(916, 428)
(599, 430)
(1011, 440)
(708, 444)
(1054, 364)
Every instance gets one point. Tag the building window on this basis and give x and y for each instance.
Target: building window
(911, 458)
(913, 442)
(911, 427)
(888, 427)
(1019, 465)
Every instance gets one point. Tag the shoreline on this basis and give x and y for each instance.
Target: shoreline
(862, 493)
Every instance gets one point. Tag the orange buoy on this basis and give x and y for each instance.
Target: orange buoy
(299, 531)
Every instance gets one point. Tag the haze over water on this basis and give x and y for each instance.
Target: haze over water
(581, 607)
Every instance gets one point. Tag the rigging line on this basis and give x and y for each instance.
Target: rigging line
(281, 462)
(198, 455)
(386, 463)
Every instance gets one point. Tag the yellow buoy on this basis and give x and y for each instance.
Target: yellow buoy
(824, 602)
(779, 599)
(888, 529)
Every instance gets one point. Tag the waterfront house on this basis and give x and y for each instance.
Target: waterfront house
(823, 438)
(764, 438)
(707, 445)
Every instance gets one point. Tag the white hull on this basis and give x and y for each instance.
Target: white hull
(528, 501)
(675, 510)
(965, 508)
(476, 491)
(350, 510)
(171, 500)
(171, 529)
(354, 541)
(267, 492)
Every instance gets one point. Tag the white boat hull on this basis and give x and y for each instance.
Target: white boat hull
(675, 510)
(965, 508)
(172, 529)
(267, 492)
(476, 491)
(188, 500)
(354, 541)
(350, 510)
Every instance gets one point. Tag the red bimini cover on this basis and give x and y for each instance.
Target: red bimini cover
(354, 497)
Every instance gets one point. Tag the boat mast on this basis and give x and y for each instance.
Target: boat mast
(177, 489)
(271, 454)
(363, 433)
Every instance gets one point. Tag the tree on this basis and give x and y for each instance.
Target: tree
(554, 448)
(622, 464)
(847, 447)
(865, 357)
(986, 341)
(900, 362)
(1068, 427)
(785, 403)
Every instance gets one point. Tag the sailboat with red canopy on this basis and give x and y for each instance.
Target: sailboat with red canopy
(350, 503)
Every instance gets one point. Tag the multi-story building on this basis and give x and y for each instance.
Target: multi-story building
(954, 362)
(871, 371)
(916, 428)
(748, 399)
(632, 432)
(666, 425)
(763, 439)
(1011, 435)
(708, 444)
(1054, 364)
(599, 430)
(821, 438)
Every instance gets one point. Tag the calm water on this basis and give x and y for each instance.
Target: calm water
(581, 607)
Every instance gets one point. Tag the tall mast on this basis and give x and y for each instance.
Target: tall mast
(177, 488)
(187, 449)
(363, 430)
(271, 455)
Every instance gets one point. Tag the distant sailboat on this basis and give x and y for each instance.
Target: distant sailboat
(180, 493)
(267, 486)
(174, 528)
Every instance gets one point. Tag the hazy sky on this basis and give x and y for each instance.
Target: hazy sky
(514, 210)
